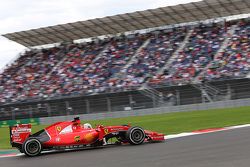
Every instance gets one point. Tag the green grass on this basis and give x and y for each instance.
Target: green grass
(169, 123)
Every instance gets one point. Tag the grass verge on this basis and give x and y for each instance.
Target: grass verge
(169, 123)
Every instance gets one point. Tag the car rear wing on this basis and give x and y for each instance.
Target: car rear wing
(19, 133)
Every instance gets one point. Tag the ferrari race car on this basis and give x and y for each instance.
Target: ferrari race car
(73, 135)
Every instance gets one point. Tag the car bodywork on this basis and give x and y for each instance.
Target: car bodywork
(72, 135)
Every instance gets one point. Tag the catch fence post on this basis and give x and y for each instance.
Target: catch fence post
(87, 106)
(178, 100)
(108, 104)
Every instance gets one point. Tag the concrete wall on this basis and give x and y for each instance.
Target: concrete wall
(181, 108)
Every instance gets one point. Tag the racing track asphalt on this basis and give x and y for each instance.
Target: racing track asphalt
(221, 149)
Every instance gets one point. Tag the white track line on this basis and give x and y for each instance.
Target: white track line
(6, 156)
(204, 131)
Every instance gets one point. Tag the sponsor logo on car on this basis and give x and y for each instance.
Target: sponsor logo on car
(106, 131)
(77, 138)
(58, 128)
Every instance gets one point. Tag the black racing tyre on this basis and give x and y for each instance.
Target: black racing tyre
(32, 147)
(135, 135)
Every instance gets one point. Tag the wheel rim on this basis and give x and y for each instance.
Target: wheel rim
(137, 136)
(33, 147)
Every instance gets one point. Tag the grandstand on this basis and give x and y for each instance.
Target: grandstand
(175, 55)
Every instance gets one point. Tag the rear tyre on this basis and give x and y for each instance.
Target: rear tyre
(32, 147)
(135, 135)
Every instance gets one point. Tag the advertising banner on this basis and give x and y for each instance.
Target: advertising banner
(32, 121)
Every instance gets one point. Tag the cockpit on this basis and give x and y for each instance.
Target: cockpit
(77, 122)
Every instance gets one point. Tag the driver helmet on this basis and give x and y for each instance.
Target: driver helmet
(87, 126)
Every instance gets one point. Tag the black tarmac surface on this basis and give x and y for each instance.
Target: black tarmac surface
(221, 149)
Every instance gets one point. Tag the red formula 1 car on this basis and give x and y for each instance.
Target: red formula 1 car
(73, 135)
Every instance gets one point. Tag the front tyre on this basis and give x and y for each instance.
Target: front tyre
(32, 147)
(135, 135)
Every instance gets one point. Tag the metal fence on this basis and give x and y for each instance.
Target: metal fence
(122, 101)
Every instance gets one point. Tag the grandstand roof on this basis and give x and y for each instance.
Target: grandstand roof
(195, 11)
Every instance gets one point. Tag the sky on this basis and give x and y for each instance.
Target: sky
(20, 15)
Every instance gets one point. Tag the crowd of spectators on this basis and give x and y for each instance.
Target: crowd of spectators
(234, 60)
(152, 57)
(25, 77)
(127, 61)
(69, 76)
(89, 71)
(201, 48)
